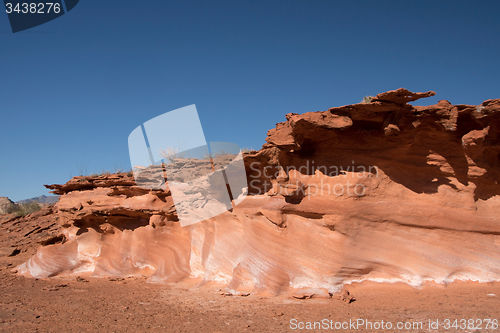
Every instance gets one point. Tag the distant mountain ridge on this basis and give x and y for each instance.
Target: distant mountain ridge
(43, 199)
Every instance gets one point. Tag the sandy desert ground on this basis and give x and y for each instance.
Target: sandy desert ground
(84, 304)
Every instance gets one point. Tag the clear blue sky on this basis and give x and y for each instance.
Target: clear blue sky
(73, 89)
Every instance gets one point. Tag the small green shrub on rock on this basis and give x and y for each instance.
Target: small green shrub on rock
(367, 99)
(24, 209)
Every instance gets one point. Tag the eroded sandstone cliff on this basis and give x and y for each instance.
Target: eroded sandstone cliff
(385, 191)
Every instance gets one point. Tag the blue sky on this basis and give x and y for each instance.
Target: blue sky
(73, 89)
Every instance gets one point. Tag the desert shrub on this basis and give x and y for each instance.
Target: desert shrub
(367, 99)
(30, 207)
(24, 209)
(222, 153)
(102, 173)
(247, 150)
(12, 209)
(207, 157)
(117, 168)
(171, 154)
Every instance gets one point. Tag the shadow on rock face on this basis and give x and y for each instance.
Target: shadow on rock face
(383, 191)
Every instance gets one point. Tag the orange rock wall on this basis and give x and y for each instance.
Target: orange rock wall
(384, 191)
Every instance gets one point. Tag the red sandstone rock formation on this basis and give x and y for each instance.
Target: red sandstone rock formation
(384, 191)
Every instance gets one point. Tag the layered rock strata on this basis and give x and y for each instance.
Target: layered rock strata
(384, 191)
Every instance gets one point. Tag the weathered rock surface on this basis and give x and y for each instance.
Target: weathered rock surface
(21, 236)
(5, 203)
(384, 191)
